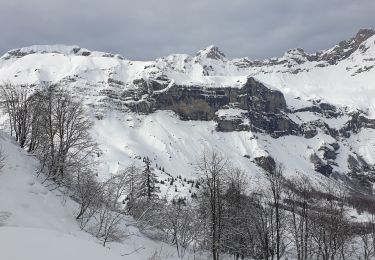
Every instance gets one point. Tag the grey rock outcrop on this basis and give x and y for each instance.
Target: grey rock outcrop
(267, 110)
(357, 121)
(267, 163)
(321, 166)
(329, 152)
(361, 171)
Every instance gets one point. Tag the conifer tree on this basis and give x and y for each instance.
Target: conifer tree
(148, 182)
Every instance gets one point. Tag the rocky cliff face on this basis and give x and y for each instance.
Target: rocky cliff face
(258, 108)
(266, 109)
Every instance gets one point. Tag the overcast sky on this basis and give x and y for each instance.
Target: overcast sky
(147, 29)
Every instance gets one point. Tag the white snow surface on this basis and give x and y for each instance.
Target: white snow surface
(39, 224)
(36, 244)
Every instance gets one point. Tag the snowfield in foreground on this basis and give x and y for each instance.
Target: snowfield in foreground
(36, 244)
(38, 224)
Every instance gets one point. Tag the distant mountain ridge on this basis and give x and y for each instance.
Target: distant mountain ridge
(340, 51)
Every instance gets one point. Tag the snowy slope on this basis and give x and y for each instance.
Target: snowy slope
(35, 244)
(37, 224)
(343, 75)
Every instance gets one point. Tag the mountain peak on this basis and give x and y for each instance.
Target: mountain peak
(346, 48)
(212, 52)
(364, 34)
(361, 36)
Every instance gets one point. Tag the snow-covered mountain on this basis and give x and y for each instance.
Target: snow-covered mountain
(315, 113)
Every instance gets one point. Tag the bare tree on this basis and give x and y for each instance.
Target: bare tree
(16, 102)
(180, 224)
(263, 214)
(118, 187)
(366, 250)
(372, 229)
(108, 225)
(299, 202)
(57, 128)
(276, 183)
(64, 142)
(213, 169)
(88, 193)
(332, 232)
(37, 110)
(132, 179)
(105, 209)
(236, 238)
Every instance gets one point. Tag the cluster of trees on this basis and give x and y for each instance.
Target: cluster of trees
(281, 218)
(52, 125)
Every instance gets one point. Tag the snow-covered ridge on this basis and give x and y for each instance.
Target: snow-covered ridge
(57, 49)
(342, 75)
(339, 51)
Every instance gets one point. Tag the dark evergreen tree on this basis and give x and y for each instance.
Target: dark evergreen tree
(148, 181)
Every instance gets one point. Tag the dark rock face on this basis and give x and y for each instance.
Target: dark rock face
(191, 103)
(345, 48)
(230, 125)
(325, 109)
(310, 129)
(320, 166)
(17, 54)
(329, 153)
(361, 171)
(324, 169)
(142, 106)
(212, 52)
(148, 86)
(266, 108)
(358, 164)
(267, 163)
(262, 99)
(356, 123)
